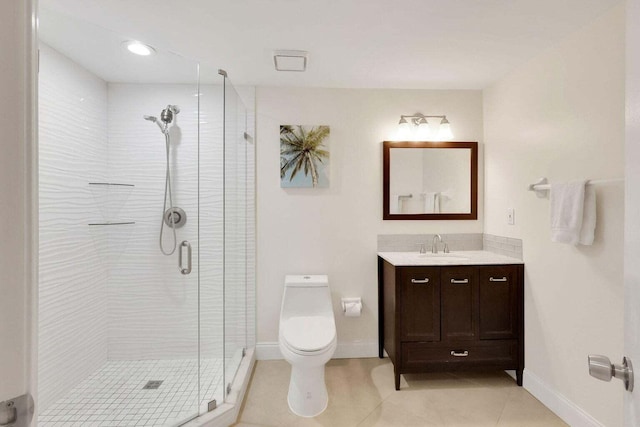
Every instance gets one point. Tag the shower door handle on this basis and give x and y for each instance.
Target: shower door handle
(183, 245)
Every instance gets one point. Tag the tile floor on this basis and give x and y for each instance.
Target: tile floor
(362, 394)
(114, 395)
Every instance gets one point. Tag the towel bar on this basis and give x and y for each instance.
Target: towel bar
(542, 186)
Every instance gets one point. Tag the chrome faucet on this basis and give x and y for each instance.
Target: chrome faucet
(434, 244)
(423, 250)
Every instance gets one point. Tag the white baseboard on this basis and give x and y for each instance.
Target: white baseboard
(570, 413)
(348, 350)
(268, 351)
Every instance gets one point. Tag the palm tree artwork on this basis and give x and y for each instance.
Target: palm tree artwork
(304, 156)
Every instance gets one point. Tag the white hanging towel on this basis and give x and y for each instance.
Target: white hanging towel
(395, 204)
(573, 213)
(588, 230)
(431, 202)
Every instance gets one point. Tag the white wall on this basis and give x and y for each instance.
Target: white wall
(73, 269)
(561, 115)
(334, 231)
(15, 235)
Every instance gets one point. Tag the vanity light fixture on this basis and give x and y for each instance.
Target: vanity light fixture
(418, 125)
(139, 48)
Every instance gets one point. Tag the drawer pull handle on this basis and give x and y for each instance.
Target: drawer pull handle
(458, 353)
(460, 282)
(425, 280)
(497, 279)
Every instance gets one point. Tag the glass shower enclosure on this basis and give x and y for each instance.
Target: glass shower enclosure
(147, 231)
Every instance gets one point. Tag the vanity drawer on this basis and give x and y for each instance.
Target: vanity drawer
(494, 353)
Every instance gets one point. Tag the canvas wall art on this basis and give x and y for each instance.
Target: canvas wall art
(304, 156)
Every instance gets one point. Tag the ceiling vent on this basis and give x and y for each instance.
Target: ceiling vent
(290, 60)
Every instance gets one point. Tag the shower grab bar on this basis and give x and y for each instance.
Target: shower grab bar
(183, 245)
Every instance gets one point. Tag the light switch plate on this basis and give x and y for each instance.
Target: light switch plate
(511, 216)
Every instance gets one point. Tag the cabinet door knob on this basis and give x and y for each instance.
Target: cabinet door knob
(497, 279)
(459, 353)
(425, 280)
(459, 281)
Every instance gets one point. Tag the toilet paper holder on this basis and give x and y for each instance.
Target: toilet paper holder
(351, 306)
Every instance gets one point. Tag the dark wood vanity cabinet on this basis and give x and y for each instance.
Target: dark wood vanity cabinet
(449, 318)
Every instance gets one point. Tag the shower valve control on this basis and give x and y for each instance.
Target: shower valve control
(175, 217)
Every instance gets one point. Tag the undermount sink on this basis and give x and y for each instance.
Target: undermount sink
(448, 257)
(441, 256)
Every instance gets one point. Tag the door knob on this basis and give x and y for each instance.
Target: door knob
(600, 367)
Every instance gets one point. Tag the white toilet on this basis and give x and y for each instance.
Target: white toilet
(307, 341)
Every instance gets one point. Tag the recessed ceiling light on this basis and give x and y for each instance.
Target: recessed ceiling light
(290, 60)
(139, 48)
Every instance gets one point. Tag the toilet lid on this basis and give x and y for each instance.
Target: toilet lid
(309, 333)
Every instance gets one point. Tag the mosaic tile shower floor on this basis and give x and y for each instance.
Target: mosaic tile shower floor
(115, 395)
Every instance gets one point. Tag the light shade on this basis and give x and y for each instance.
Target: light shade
(424, 131)
(444, 133)
(404, 129)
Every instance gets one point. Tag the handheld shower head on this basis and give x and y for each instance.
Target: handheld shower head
(154, 119)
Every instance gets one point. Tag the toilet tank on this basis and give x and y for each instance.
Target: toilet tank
(306, 296)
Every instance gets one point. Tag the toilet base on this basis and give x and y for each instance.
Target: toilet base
(307, 391)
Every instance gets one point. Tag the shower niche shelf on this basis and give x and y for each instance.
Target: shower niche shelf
(115, 184)
(112, 223)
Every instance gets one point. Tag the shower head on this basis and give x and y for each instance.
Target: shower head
(167, 114)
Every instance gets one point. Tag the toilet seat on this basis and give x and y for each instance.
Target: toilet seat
(308, 334)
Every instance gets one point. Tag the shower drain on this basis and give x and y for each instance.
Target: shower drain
(153, 385)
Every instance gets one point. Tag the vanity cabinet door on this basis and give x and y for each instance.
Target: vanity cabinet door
(419, 303)
(459, 290)
(498, 290)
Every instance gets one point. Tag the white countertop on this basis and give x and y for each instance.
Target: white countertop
(400, 259)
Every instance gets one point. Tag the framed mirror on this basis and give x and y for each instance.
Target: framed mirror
(430, 180)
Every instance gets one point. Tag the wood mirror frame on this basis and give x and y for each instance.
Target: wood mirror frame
(386, 147)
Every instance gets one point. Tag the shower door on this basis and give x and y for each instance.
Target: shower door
(236, 195)
(226, 240)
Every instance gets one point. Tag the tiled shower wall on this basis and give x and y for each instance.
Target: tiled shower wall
(151, 303)
(72, 317)
(118, 297)
(153, 308)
